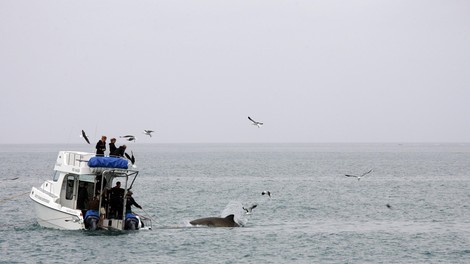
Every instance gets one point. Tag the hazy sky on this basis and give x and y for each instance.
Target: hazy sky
(312, 71)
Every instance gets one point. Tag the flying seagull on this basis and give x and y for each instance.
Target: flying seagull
(358, 177)
(249, 209)
(85, 137)
(131, 158)
(129, 137)
(266, 192)
(255, 123)
(148, 132)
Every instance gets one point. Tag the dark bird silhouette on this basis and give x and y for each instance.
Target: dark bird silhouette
(255, 123)
(148, 132)
(266, 192)
(129, 137)
(131, 158)
(85, 137)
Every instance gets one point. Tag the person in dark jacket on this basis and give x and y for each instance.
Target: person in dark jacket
(130, 201)
(112, 147)
(120, 151)
(101, 146)
(116, 200)
(82, 198)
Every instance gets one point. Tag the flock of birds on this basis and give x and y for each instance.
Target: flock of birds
(248, 209)
(149, 132)
(131, 157)
(133, 138)
(127, 137)
(259, 124)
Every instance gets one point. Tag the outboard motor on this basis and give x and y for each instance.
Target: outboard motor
(92, 217)
(132, 222)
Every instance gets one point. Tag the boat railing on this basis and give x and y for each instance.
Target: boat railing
(101, 170)
(77, 159)
(126, 173)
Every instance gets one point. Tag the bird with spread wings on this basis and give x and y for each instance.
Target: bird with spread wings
(358, 176)
(255, 123)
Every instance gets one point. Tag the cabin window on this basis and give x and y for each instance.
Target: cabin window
(56, 176)
(70, 187)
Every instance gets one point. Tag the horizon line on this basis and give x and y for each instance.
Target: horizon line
(299, 142)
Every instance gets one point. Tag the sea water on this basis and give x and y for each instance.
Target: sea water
(413, 208)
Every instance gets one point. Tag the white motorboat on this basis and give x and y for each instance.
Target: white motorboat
(80, 194)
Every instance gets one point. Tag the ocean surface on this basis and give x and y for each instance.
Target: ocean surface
(315, 213)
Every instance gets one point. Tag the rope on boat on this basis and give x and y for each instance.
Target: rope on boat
(148, 216)
(13, 196)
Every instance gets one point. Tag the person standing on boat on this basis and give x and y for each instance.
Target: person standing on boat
(117, 200)
(120, 151)
(101, 146)
(112, 148)
(118, 186)
(82, 199)
(130, 201)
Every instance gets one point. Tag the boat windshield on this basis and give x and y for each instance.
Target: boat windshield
(87, 178)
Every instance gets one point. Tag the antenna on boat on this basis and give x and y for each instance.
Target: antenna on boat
(96, 129)
(132, 183)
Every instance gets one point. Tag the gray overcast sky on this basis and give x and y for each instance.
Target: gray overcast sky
(313, 71)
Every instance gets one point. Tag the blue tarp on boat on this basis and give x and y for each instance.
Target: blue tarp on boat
(108, 162)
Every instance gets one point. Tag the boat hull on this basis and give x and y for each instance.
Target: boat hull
(53, 215)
